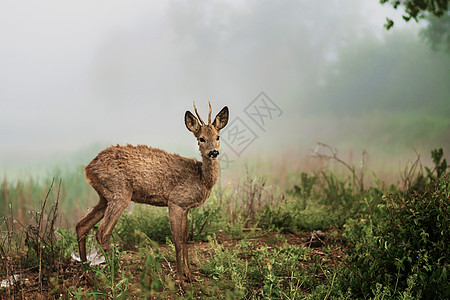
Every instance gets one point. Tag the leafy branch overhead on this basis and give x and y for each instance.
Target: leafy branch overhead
(417, 9)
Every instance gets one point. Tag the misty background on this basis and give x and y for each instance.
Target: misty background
(79, 76)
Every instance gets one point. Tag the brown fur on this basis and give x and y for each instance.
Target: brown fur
(121, 174)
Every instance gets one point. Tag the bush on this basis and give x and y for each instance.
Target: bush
(149, 222)
(401, 247)
(318, 202)
(277, 217)
(143, 223)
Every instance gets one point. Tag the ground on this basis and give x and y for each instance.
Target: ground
(324, 247)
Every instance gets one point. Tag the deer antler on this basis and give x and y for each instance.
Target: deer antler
(196, 112)
(209, 116)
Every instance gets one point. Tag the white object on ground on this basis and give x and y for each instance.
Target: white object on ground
(6, 283)
(94, 257)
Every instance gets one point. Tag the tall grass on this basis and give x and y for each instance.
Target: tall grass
(18, 198)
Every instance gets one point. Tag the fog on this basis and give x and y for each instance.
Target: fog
(85, 74)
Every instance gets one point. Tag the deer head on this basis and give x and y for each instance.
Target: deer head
(207, 135)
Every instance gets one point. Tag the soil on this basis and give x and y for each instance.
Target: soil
(69, 276)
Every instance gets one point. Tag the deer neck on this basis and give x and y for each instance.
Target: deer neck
(210, 172)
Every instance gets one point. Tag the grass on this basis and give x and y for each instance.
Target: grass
(21, 196)
(255, 239)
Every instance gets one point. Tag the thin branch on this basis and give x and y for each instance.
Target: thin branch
(359, 179)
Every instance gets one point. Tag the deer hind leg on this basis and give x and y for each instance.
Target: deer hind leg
(184, 228)
(86, 224)
(176, 215)
(113, 212)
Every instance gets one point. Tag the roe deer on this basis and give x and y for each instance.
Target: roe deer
(120, 174)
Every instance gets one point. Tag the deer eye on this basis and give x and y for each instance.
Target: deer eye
(202, 140)
(218, 138)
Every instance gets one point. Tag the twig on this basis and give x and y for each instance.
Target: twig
(359, 179)
(39, 240)
(203, 226)
(45, 201)
(168, 263)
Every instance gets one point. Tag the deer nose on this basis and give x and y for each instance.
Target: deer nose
(213, 153)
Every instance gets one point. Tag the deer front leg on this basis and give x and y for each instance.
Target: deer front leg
(176, 214)
(184, 226)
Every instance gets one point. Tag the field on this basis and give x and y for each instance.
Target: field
(326, 227)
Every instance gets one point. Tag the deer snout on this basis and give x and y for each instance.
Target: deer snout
(213, 153)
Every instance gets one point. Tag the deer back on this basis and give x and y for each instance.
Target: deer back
(152, 175)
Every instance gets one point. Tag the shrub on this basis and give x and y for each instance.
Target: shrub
(402, 246)
(151, 222)
(318, 202)
(144, 222)
(278, 217)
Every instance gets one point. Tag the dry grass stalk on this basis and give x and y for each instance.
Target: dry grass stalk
(411, 173)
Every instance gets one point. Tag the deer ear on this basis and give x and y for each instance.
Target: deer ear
(221, 120)
(191, 122)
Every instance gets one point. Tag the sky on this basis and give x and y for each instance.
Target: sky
(76, 74)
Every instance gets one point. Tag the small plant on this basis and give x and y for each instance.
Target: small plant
(271, 288)
(304, 189)
(40, 237)
(67, 243)
(152, 281)
(440, 165)
(110, 280)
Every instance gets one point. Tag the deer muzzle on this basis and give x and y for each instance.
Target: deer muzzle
(213, 153)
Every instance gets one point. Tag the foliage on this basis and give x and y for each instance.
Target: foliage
(318, 202)
(401, 246)
(40, 239)
(279, 217)
(440, 165)
(152, 280)
(437, 33)
(417, 9)
(305, 189)
(420, 182)
(142, 223)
